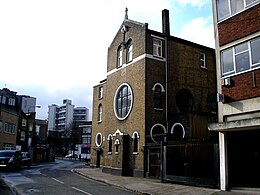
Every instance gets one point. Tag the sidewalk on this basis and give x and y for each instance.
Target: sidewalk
(154, 187)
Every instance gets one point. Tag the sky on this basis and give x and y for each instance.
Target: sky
(57, 49)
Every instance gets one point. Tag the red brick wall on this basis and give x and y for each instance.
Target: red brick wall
(239, 26)
(242, 87)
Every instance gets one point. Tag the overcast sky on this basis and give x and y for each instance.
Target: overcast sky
(57, 49)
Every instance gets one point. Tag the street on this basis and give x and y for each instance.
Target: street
(55, 178)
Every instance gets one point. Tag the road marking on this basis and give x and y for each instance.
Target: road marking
(84, 192)
(57, 180)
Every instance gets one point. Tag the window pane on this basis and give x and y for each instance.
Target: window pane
(236, 6)
(223, 9)
(241, 47)
(227, 61)
(242, 62)
(251, 2)
(255, 51)
(125, 91)
(124, 112)
(124, 102)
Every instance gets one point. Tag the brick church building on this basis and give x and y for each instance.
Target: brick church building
(151, 112)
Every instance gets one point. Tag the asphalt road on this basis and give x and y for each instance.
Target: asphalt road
(56, 178)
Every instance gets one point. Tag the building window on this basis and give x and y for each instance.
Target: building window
(240, 58)
(129, 52)
(11, 101)
(157, 47)
(86, 139)
(110, 139)
(98, 139)
(178, 131)
(158, 96)
(119, 57)
(2, 99)
(1, 125)
(8, 146)
(123, 101)
(135, 138)
(100, 92)
(9, 128)
(227, 8)
(203, 60)
(22, 136)
(99, 113)
(117, 146)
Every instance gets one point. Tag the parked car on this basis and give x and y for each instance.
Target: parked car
(71, 156)
(10, 159)
(26, 159)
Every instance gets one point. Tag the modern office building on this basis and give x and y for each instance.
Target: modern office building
(60, 117)
(237, 38)
(151, 113)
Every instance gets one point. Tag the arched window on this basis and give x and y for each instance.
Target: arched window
(110, 139)
(135, 138)
(129, 51)
(158, 95)
(100, 113)
(119, 56)
(178, 131)
(117, 146)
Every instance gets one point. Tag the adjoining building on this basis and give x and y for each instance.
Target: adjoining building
(151, 112)
(237, 38)
(17, 120)
(9, 119)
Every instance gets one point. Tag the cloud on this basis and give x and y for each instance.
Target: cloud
(199, 30)
(193, 3)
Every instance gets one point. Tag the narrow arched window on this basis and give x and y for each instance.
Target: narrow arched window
(135, 138)
(110, 139)
(99, 113)
(119, 56)
(117, 146)
(158, 95)
(129, 51)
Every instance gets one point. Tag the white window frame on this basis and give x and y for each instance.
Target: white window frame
(101, 139)
(100, 113)
(100, 92)
(2, 99)
(11, 101)
(157, 47)
(115, 101)
(129, 52)
(246, 5)
(22, 137)
(117, 143)
(234, 54)
(120, 57)
(203, 63)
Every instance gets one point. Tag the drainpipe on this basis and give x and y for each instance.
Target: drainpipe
(166, 32)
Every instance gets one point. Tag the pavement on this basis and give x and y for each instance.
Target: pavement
(148, 186)
(155, 187)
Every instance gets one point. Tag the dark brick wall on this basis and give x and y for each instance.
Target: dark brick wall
(239, 26)
(242, 87)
